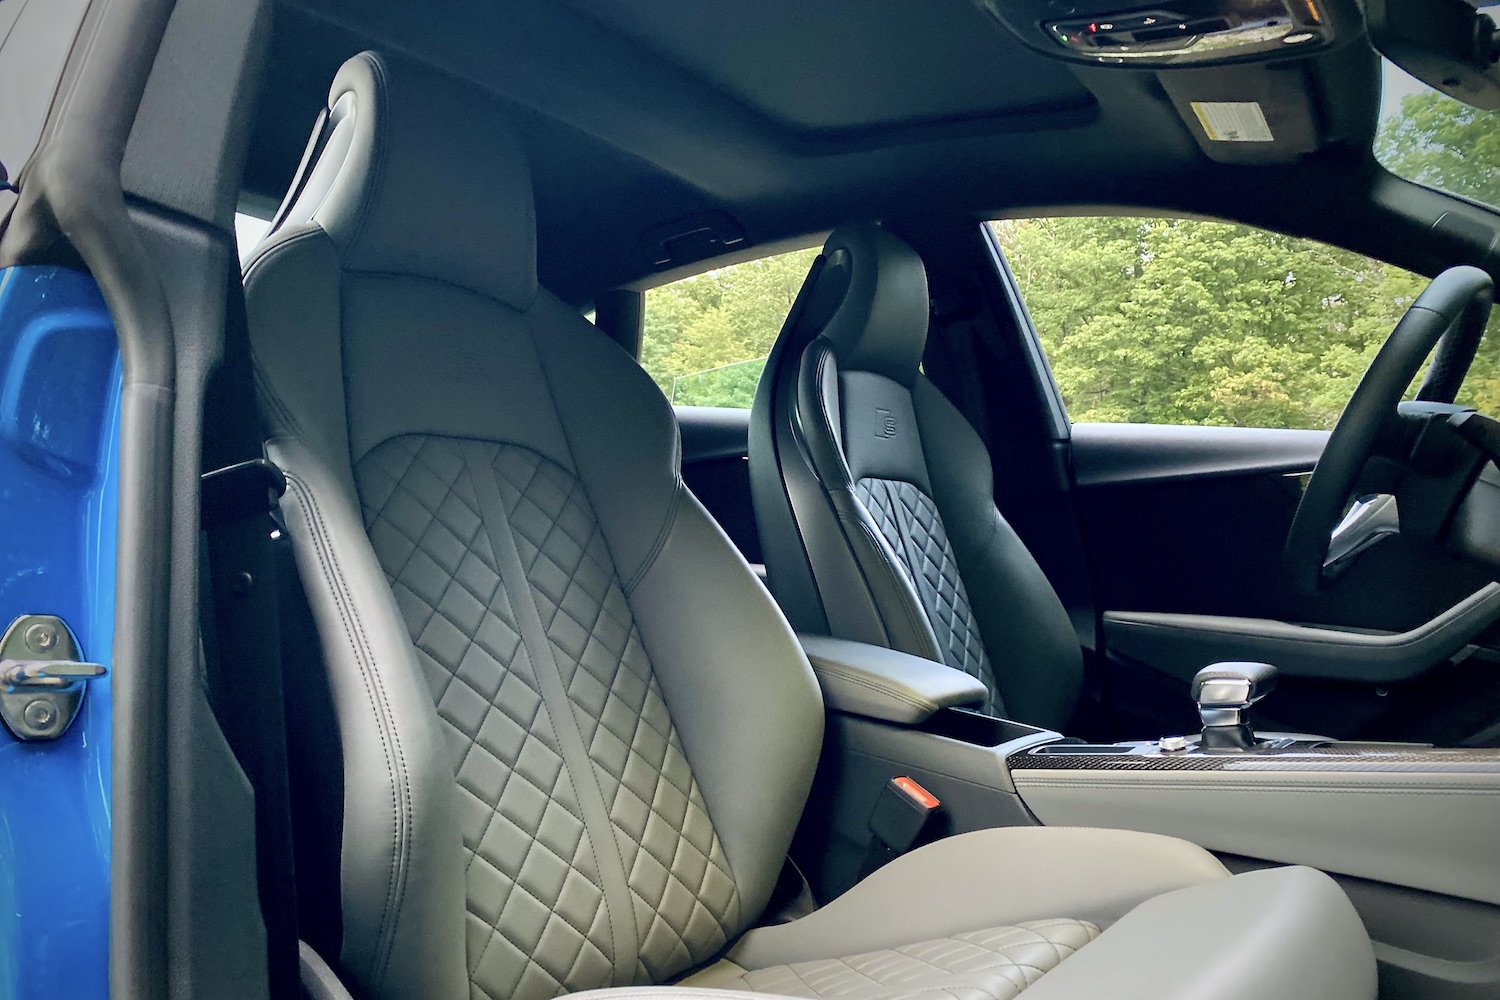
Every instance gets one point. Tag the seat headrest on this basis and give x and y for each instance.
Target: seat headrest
(880, 325)
(419, 173)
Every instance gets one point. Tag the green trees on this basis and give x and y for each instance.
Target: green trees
(1450, 146)
(1444, 144)
(1188, 322)
(708, 335)
(1147, 320)
(1177, 321)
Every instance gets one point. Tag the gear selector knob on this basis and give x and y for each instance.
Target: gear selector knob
(1223, 691)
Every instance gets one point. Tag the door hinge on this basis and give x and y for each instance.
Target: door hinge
(42, 677)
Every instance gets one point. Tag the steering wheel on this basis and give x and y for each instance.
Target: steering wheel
(1453, 309)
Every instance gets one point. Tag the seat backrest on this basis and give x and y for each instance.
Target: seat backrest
(576, 733)
(876, 498)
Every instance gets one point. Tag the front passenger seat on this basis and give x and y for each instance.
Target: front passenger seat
(876, 500)
(574, 734)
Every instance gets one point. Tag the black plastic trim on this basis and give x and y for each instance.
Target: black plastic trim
(710, 432)
(72, 211)
(1121, 454)
(1057, 413)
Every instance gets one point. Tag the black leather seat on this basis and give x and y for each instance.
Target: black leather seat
(875, 497)
(576, 734)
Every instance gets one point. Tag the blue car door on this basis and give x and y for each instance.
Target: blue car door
(60, 390)
(59, 420)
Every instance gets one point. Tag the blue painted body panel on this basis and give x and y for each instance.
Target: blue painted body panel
(59, 443)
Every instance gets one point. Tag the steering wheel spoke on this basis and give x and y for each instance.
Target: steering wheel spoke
(1369, 521)
(1418, 453)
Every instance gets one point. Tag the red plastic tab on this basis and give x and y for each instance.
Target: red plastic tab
(916, 792)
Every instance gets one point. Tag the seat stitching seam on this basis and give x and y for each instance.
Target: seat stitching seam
(824, 359)
(661, 539)
(670, 516)
(275, 250)
(909, 559)
(626, 921)
(589, 836)
(370, 190)
(389, 740)
(889, 691)
(915, 616)
(271, 397)
(899, 571)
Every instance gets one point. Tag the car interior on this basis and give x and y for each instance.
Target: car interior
(470, 642)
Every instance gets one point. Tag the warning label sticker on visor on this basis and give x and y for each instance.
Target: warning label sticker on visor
(1233, 121)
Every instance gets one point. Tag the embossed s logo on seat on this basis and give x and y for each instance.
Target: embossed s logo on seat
(885, 423)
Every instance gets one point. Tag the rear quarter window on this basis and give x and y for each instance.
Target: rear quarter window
(706, 337)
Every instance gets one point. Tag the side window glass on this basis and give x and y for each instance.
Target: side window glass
(248, 230)
(707, 337)
(1176, 321)
(252, 219)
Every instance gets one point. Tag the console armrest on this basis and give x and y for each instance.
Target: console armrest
(880, 683)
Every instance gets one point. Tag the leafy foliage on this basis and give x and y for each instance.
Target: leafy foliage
(1444, 144)
(707, 336)
(1145, 320)
(1184, 322)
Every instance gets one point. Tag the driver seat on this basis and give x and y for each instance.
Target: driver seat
(875, 497)
(571, 733)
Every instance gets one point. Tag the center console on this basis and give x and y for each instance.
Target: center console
(1402, 814)
(1413, 816)
(1410, 830)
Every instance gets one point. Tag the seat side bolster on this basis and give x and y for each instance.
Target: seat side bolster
(740, 691)
(401, 877)
(779, 472)
(1282, 932)
(865, 592)
(621, 434)
(1026, 630)
(292, 299)
(989, 878)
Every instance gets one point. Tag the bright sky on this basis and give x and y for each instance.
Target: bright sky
(247, 231)
(1396, 84)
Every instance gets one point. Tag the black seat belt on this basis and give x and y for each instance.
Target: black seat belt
(241, 637)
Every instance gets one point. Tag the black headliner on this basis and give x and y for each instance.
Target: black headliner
(844, 65)
(794, 117)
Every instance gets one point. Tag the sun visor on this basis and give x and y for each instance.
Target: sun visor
(1246, 114)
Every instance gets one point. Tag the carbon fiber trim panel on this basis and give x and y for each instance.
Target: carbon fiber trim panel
(1331, 758)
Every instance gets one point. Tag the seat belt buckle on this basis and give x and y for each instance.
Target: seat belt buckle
(240, 491)
(901, 813)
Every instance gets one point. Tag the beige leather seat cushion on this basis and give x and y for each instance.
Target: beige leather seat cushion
(1059, 913)
(992, 964)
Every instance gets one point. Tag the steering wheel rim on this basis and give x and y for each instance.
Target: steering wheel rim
(1452, 309)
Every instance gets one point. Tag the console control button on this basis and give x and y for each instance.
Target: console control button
(1172, 744)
